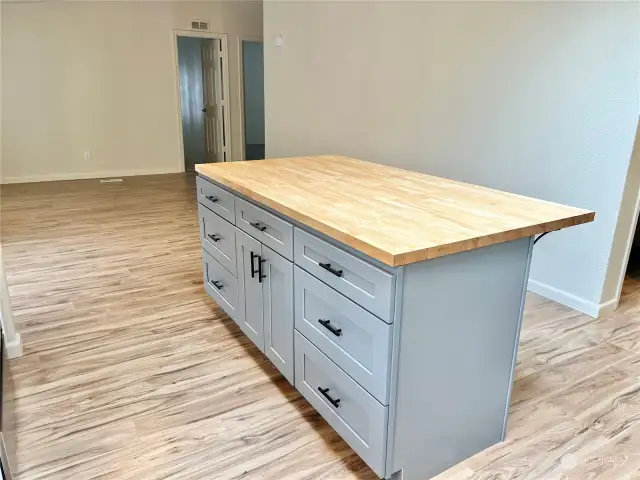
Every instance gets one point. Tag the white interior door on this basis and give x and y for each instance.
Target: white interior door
(214, 101)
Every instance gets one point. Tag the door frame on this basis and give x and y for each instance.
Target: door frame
(241, 39)
(225, 78)
(629, 231)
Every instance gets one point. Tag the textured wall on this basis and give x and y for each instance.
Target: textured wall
(100, 76)
(538, 98)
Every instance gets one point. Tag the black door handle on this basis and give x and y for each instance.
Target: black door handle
(334, 402)
(327, 267)
(204, 110)
(213, 237)
(253, 268)
(212, 198)
(217, 284)
(260, 262)
(327, 324)
(257, 225)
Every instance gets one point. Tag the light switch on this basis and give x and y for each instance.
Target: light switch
(279, 40)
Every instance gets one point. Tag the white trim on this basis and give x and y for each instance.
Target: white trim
(88, 175)
(225, 78)
(14, 348)
(242, 38)
(570, 300)
(11, 338)
(629, 246)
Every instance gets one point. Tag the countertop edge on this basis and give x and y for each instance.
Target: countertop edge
(406, 258)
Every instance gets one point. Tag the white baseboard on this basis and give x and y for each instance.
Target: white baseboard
(592, 309)
(88, 175)
(14, 348)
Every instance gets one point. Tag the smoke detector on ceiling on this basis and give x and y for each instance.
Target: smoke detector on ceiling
(201, 25)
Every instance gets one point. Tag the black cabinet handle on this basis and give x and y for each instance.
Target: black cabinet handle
(260, 262)
(327, 324)
(212, 198)
(213, 237)
(257, 225)
(323, 391)
(216, 284)
(253, 268)
(327, 267)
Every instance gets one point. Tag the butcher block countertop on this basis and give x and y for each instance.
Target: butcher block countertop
(393, 215)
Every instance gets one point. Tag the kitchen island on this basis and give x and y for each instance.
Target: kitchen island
(392, 300)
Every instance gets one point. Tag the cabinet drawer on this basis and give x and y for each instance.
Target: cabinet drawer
(365, 284)
(218, 238)
(216, 198)
(357, 341)
(358, 417)
(274, 232)
(225, 289)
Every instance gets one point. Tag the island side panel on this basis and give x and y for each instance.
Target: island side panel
(460, 322)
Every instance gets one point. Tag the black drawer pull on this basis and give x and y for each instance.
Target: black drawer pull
(216, 284)
(213, 237)
(323, 391)
(257, 225)
(327, 324)
(253, 269)
(327, 267)
(211, 198)
(260, 262)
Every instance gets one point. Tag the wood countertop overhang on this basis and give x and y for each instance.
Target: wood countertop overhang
(393, 215)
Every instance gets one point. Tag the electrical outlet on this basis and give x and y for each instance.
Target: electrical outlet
(87, 156)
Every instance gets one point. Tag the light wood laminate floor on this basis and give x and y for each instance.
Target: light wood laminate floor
(131, 372)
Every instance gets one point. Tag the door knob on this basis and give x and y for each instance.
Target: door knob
(204, 110)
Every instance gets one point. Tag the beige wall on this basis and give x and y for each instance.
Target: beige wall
(537, 98)
(100, 76)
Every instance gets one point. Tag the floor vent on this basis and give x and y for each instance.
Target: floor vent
(110, 180)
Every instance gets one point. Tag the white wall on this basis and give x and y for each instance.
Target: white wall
(253, 69)
(100, 76)
(538, 98)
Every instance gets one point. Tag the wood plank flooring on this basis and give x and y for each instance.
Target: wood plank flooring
(131, 372)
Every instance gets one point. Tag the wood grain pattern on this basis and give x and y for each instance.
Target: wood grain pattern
(393, 215)
(132, 372)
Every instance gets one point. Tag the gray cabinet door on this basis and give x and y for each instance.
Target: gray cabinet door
(248, 251)
(277, 295)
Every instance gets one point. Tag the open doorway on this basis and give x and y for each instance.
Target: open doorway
(204, 116)
(253, 99)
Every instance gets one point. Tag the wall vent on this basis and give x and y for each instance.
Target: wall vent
(199, 25)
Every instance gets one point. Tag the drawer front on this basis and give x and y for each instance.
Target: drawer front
(216, 199)
(358, 417)
(357, 341)
(218, 238)
(274, 232)
(365, 284)
(222, 286)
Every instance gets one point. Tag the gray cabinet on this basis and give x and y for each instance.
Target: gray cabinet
(277, 296)
(248, 251)
(267, 281)
(223, 287)
(410, 376)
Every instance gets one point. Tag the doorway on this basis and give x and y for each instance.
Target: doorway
(253, 99)
(203, 89)
(633, 264)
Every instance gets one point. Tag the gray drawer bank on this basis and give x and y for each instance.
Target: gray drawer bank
(414, 380)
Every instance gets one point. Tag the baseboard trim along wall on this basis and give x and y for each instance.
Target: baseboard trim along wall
(14, 348)
(87, 175)
(592, 309)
